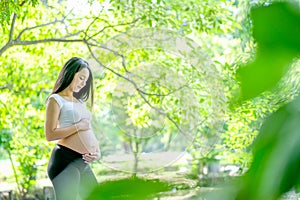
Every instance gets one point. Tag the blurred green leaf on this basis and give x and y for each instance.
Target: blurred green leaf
(276, 162)
(130, 188)
(276, 29)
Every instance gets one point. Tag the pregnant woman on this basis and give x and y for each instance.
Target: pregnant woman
(69, 121)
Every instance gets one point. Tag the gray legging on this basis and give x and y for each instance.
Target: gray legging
(69, 174)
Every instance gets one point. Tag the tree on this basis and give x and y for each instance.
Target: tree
(44, 35)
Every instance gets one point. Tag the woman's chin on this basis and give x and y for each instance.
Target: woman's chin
(77, 90)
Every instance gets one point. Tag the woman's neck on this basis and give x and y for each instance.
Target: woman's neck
(66, 93)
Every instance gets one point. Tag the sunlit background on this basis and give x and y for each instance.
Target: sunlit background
(182, 89)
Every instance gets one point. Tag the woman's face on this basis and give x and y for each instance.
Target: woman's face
(79, 80)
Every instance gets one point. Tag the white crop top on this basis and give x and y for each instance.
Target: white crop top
(70, 112)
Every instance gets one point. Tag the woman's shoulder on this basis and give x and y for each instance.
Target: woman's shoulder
(57, 98)
(54, 95)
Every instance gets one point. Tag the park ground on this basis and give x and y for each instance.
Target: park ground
(177, 174)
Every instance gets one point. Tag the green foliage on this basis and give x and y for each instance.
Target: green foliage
(8, 7)
(183, 91)
(276, 158)
(276, 32)
(5, 138)
(130, 188)
(242, 127)
(275, 149)
(26, 145)
(182, 16)
(170, 97)
(274, 169)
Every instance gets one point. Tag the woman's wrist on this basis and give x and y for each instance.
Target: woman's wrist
(77, 127)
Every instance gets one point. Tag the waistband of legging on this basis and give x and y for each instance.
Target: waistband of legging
(69, 151)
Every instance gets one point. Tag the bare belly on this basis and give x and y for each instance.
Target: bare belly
(82, 142)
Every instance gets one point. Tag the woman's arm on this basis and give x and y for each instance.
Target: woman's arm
(51, 130)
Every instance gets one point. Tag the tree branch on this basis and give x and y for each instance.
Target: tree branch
(87, 40)
(11, 42)
(163, 95)
(28, 42)
(12, 28)
(96, 18)
(5, 87)
(10, 37)
(38, 26)
(100, 63)
(5, 47)
(113, 26)
(140, 92)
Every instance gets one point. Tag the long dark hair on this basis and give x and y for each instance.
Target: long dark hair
(66, 76)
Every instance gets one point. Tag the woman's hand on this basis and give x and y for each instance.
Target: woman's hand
(91, 157)
(83, 125)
